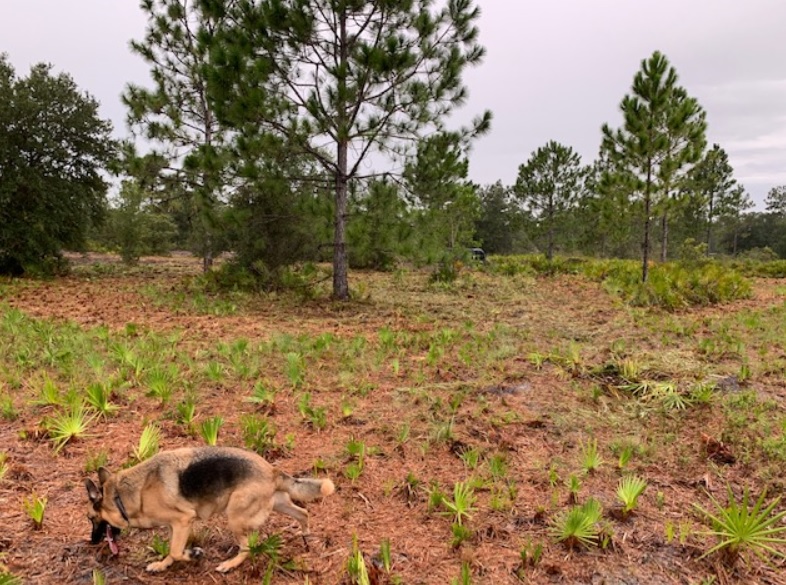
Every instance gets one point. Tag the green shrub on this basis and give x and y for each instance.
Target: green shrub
(9, 579)
(536, 264)
(448, 268)
(765, 254)
(601, 270)
(557, 265)
(135, 229)
(761, 269)
(510, 265)
(674, 286)
(301, 279)
(258, 433)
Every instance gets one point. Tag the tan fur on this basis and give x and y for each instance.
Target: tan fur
(151, 494)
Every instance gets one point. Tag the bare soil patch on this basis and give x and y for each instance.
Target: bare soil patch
(461, 375)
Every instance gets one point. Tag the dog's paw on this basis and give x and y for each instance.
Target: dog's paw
(224, 567)
(195, 553)
(157, 567)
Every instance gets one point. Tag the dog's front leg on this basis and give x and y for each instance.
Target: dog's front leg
(177, 548)
(160, 565)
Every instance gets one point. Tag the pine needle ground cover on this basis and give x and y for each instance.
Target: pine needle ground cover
(495, 382)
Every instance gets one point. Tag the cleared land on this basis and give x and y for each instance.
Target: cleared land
(499, 382)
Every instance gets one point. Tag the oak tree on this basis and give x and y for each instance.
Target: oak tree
(54, 149)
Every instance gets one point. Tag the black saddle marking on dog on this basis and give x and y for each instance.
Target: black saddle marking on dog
(211, 475)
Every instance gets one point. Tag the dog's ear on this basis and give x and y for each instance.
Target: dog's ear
(103, 475)
(93, 491)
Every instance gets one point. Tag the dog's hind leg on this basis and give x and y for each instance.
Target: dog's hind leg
(243, 522)
(283, 504)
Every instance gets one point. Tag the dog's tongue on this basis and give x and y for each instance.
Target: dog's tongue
(110, 539)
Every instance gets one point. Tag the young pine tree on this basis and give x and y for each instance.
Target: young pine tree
(712, 180)
(549, 185)
(661, 137)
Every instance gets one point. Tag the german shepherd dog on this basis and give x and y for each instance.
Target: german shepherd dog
(174, 488)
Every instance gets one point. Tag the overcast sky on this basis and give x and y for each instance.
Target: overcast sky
(555, 69)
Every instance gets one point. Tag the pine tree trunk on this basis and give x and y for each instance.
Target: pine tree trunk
(736, 232)
(207, 257)
(664, 227)
(340, 268)
(340, 264)
(645, 244)
(550, 232)
(207, 184)
(550, 247)
(709, 224)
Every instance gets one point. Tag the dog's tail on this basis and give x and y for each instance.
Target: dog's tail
(303, 489)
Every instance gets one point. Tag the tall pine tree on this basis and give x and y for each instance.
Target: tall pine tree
(662, 134)
(608, 212)
(500, 225)
(436, 180)
(685, 127)
(712, 180)
(549, 185)
(176, 116)
(731, 205)
(776, 200)
(341, 80)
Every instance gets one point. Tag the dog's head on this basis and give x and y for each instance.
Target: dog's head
(102, 511)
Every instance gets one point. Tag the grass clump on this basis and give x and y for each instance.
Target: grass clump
(356, 565)
(49, 394)
(263, 396)
(259, 434)
(460, 507)
(3, 464)
(7, 409)
(209, 429)
(68, 425)
(315, 416)
(186, 412)
(160, 384)
(35, 508)
(578, 526)
(99, 398)
(744, 527)
(629, 489)
(9, 579)
(268, 549)
(148, 443)
(590, 457)
(159, 546)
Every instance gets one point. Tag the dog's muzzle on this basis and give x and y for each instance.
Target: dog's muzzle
(104, 531)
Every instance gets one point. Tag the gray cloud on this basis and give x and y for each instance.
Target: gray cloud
(559, 71)
(554, 70)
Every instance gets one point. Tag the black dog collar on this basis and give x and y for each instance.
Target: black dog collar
(121, 507)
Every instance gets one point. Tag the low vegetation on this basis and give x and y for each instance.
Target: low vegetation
(519, 408)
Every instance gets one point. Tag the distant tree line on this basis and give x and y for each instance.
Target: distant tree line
(265, 123)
